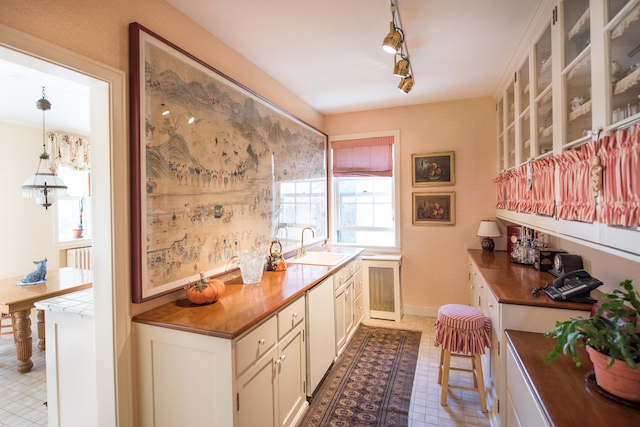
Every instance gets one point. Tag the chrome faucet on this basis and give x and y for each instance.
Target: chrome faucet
(303, 249)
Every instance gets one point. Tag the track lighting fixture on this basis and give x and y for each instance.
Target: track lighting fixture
(392, 43)
(401, 67)
(406, 84)
(395, 43)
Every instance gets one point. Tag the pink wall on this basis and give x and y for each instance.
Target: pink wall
(434, 259)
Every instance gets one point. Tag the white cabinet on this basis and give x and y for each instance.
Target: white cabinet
(522, 408)
(348, 286)
(506, 316)
(258, 379)
(383, 287)
(71, 360)
(321, 340)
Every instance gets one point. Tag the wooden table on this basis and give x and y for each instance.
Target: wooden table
(18, 301)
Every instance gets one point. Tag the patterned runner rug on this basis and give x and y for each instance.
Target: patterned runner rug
(370, 383)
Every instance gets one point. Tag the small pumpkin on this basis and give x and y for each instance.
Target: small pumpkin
(205, 291)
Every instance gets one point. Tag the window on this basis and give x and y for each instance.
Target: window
(68, 209)
(365, 190)
(302, 204)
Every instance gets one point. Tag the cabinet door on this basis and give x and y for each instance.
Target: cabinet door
(341, 333)
(291, 372)
(348, 309)
(358, 308)
(543, 95)
(257, 398)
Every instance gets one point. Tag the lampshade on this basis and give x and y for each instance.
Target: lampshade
(44, 186)
(406, 84)
(393, 41)
(400, 68)
(489, 229)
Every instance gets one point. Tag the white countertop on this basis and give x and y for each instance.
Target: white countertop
(77, 303)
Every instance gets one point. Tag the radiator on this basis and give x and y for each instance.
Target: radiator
(382, 278)
(79, 257)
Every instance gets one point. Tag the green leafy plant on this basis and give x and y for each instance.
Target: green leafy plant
(81, 210)
(608, 331)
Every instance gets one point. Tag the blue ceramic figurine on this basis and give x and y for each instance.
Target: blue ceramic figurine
(37, 275)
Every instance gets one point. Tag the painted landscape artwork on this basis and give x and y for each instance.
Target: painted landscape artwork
(211, 154)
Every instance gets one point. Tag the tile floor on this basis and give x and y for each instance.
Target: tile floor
(23, 396)
(425, 411)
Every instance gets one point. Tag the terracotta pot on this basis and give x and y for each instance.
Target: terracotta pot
(619, 380)
(77, 232)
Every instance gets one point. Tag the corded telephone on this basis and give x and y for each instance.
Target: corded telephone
(574, 286)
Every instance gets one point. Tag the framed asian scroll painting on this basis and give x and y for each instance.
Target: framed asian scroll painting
(210, 160)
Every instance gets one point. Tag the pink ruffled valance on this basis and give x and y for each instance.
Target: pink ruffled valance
(620, 196)
(576, 200)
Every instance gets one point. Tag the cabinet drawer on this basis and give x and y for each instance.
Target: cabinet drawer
(255, 344)
(339, 278)
(357, 264)
(290, 316)
(358, 285)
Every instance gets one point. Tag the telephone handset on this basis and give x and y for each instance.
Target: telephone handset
(574, 286)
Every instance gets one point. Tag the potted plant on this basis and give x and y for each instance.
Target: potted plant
(77, 232)
(611, 339)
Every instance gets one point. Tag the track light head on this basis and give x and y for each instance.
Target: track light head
(401, 67)
(406, 84)
(392, 43)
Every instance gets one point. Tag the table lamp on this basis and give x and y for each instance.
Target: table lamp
(487, 230)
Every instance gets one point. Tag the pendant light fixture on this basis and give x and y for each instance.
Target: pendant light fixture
(44, 186)
(395, 43)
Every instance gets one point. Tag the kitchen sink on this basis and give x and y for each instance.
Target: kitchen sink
(320, 258)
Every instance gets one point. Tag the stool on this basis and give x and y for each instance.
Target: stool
(6, 322)
(462, 331)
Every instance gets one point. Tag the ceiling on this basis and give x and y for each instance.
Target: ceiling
(327, 52)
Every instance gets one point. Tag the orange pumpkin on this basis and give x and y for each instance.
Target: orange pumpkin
(205, 291)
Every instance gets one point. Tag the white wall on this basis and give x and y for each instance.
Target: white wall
(26, 229)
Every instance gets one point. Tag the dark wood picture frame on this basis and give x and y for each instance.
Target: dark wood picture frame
(434, 208)
(433, 169)
(204, 176)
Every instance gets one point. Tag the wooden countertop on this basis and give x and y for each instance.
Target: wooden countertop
(513, 283)
(242, 306)
(560, 387)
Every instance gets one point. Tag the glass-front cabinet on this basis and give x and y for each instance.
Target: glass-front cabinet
(543, 105)
(622, 33)
(576, 72)
(580, 73)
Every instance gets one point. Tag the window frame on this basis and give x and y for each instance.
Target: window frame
(333, 191)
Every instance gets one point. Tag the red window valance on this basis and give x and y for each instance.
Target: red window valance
(363, 157)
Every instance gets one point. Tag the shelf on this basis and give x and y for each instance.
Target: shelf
(626, 21)
(580, 111)
(580, 24)
(546, 132)
(545, 67)
(627, 82)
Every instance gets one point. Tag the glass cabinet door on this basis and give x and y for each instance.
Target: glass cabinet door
(576, 72)
(501, 142)
(510, 130)
(524, 90)
(623, 35)
(543, 95)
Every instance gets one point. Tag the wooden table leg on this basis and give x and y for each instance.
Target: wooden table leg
(22, 339)
(42, 344)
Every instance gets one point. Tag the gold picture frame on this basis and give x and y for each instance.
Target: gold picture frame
(433, 169)
(434, 208)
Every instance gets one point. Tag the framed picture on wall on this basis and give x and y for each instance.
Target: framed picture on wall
(432, 169)
(209, 161)
(434, 208)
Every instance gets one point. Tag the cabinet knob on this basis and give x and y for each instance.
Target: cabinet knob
(295, 315)
(277, 362)
(262, 341)
(283, 357)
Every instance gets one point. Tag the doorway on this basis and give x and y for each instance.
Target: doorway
(107, 105)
